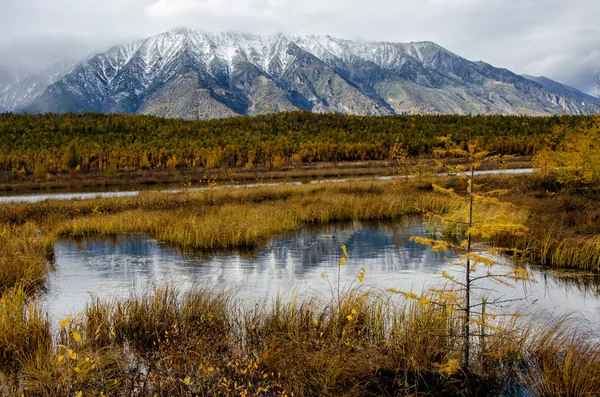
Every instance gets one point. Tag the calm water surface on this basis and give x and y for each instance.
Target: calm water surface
(294, 264)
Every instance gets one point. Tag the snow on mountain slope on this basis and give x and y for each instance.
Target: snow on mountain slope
(20, 88)
(250, 74)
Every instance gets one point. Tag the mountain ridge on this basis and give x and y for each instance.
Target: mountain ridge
(195, 74)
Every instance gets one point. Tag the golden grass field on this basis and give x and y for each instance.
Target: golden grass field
(367, 343)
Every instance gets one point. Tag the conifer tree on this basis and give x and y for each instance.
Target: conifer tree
(477, 221)
(575, 157)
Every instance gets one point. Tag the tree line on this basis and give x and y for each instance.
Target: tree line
(91, 141)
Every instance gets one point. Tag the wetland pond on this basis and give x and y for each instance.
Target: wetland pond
(295, 264)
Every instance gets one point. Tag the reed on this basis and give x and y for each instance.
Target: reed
(24, 332)
(369, 343)
(557, 249)
(25, 257)
(560, 363)
(248, 218)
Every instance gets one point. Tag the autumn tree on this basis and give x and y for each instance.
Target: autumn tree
(576, 158)
(72, 156)
(92, 140)
(478, 219)
(573, 154)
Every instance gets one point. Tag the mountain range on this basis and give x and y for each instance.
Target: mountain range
(194, 74)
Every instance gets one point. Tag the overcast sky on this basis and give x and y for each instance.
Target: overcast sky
(559, 39)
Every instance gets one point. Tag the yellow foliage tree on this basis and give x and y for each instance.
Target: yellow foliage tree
(573, 153)
(577, 155)
(477, 220)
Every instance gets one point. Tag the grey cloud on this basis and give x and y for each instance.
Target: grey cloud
(554, 38)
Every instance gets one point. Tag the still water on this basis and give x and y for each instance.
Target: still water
(294, 265)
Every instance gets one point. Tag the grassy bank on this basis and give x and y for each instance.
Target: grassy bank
(135, 178)
(563, 222)
(25, 257)
(247, 219)
(207, 344)
(224, 218)
(562, 231)
(126, 178)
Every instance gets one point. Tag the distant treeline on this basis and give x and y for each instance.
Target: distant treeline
(90, 142)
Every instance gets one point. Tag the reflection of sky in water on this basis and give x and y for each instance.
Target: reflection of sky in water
(291, 264)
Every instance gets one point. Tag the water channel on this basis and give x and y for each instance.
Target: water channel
(99, 192)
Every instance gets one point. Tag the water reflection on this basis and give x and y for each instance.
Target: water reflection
(134, 265)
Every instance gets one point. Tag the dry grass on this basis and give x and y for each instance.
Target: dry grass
(166, 343)
(563, 220)
(562, 364)
(368, 344)
(564, 227)
(226, 218)
(25, 257)
(24, 333)
(242, 225)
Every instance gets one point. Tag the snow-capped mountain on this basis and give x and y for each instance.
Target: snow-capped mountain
(195, 74)
(19, 89)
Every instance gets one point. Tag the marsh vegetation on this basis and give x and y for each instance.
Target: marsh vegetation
(168, 342)
(356, 341)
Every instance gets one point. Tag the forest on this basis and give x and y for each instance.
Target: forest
(41, 145)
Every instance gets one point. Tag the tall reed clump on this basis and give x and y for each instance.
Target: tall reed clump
(148, 344)
(367, 343)
(563, 223)
(166, 317)
(559, 363)
(247, 218)
(25, 257)
(24, 332)
(555, 248)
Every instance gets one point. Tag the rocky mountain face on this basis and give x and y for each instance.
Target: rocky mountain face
(559, 92)
(196, 75)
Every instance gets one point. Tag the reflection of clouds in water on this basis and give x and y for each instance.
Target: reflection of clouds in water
(391, 260)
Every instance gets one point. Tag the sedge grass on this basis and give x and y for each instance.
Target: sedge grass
(23, 330)
(551, 248)
(563, 364)
(246, 219)
(25, 257)
(369, 343)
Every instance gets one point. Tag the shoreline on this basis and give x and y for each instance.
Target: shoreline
(314, 171)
